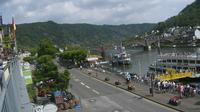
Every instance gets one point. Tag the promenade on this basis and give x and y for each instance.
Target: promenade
(189, 104)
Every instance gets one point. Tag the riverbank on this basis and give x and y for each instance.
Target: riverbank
(191, 104)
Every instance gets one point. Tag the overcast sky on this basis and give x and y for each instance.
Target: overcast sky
(91, 11)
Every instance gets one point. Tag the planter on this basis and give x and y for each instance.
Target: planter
(107, 79)
(117, 83)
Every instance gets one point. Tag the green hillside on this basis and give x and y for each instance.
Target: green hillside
(87, 35)
(189, 16)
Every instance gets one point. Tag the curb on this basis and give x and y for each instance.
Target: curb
(132, 92)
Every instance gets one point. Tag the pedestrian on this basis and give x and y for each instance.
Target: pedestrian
(158, 85)
(181, 91)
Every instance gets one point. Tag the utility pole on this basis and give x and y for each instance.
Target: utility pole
(151, 88)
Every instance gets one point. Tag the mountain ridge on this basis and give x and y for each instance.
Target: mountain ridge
(87, 35)
(189, 16)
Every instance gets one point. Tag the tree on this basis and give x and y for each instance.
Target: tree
(72, 47)
(29, 59)
(45, 68)
(46, 47)
(62, 81)
(7, 45)
(75, 56)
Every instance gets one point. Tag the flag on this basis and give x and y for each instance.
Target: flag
(13, 24)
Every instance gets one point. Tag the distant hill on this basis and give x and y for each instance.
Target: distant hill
(189, 16)
(87, 35)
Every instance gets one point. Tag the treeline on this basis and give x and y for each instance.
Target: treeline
(86, 35)
(189, 16)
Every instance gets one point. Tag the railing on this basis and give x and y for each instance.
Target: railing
(178, 56)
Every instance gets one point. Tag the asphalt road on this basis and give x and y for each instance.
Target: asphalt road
(97, 96)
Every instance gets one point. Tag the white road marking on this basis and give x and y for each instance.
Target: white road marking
(95, 91)
(77, 80)
(82, 84)
(87, 86)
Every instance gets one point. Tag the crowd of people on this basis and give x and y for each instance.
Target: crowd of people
(184, 90)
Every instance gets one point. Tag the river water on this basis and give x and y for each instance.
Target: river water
(140, 60)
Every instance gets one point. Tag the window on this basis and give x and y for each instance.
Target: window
(168, 60)
(174, 61)
(192, 61)
(179, 61)
(185, 61)
(198, 62)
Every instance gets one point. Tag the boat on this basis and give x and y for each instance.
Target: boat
(182, 63)
(174, 46)
(120, 56)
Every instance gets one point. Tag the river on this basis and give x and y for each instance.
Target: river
(140, 60)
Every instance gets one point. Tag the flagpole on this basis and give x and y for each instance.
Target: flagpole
(14, 35)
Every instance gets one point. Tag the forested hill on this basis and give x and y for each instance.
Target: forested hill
(189, 16)
(87, 35)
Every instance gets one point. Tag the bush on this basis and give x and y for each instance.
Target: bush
(31, 92)
(117, 83)
(130, 87)
(107, 79)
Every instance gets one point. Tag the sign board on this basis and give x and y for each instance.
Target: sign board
(27, 76)
(174, 76)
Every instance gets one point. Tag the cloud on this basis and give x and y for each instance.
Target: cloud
(92, 11)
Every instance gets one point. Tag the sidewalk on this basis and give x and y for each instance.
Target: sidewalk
(190, 104)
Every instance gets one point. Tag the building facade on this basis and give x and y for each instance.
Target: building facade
(13, 92)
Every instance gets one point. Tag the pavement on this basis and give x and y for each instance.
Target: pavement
(190, 104)
(21, 89)
(98, 96)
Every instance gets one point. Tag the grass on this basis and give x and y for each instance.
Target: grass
(31, 91)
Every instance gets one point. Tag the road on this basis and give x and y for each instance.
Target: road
(97, 96)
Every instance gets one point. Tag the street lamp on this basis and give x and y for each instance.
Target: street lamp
(151, 83)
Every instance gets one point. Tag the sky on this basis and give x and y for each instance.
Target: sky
(112, 12)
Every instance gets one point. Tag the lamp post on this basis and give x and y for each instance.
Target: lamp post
(151, 87)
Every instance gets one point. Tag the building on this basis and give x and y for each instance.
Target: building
(13, 92)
